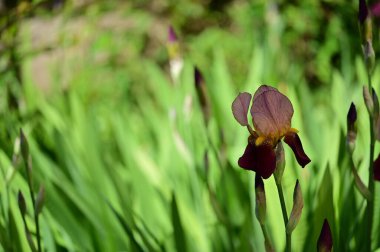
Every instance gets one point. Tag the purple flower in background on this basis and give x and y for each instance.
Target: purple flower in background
(375, 9)
(271, 113)
(172, 36)
(175, 58)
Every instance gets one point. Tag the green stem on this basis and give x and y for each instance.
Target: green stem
(34, 205)
(371, 187)
(285, 216)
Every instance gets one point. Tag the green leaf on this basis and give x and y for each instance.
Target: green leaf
(179, 233)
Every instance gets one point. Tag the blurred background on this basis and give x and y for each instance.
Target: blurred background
(136, 154)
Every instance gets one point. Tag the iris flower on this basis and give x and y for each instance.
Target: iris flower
(271, 116)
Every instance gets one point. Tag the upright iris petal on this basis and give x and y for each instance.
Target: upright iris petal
(271, 112)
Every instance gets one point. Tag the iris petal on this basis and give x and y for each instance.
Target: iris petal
(271, 111)
(240, 108)
(260, 159)
(293, 140)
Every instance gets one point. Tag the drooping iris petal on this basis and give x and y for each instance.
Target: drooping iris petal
(293, 140)
(240, 108)
(376, 168)
(271, 111)
(260, 159)
(325, 241)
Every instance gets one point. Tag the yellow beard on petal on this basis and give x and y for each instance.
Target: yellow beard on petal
(293, 130)
(272, 139)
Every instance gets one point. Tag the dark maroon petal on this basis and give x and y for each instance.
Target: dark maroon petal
(376, 168)
(293, 140)
(260, 159)
(325, 241)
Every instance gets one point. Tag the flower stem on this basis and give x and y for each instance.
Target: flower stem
(31, 191)
(285, 216)
(371, 187)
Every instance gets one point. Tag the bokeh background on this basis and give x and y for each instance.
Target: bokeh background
(129, 159)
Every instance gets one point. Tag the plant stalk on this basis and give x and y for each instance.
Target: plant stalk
(38, 234)
(288, 247)
(371, 187)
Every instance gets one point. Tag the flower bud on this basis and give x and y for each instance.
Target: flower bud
(40, 201)
(351, 127)
(325, 242)
(376, 127)
(369, 55)
(375, 100)
(376, 115)
(368, 100)
(365, 22)
(295, 215)
(280, 163)
(176, 61)
(261, 207)
(363, 11)
(360, 185)
(21, 203)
